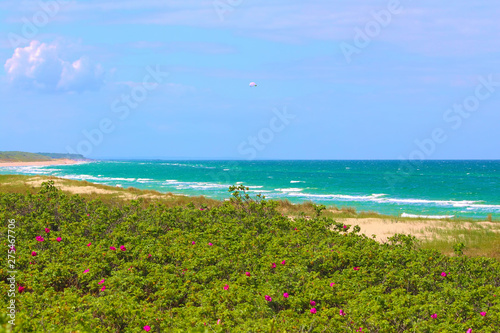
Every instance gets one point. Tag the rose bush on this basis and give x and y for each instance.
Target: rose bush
(167, 278)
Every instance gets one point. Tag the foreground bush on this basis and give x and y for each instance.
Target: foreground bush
(238, 267)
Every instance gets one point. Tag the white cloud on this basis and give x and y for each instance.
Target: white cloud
(40, 66)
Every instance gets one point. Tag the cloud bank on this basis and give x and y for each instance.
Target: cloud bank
(41, 67)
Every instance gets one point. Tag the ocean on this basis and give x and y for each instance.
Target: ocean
(430, 188)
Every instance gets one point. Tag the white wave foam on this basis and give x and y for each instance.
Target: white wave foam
(336, 196)
(296, 181)
(193, 185)
(144, 180)
(469, 205)
(188, 165)
(89, 177)
(31, 169)
(437, 202)
(293, 189)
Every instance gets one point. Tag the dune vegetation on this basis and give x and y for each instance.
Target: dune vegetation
(21, 156)
(86, 265)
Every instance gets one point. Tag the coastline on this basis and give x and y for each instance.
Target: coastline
(353, 185)
(482, 236)
(62, 161)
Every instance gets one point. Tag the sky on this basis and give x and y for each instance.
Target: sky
(371, 79)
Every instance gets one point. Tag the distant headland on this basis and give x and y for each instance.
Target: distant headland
(20, 158)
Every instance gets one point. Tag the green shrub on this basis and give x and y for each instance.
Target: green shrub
(170, 278)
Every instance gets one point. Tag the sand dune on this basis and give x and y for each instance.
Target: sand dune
(384, 228)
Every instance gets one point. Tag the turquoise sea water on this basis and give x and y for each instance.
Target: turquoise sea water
(458, 188)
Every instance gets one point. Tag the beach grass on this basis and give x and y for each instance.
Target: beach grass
(479, 239)
(116, 196)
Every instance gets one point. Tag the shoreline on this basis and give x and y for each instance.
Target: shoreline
(409, 210)
(482, 236)
(62, 161)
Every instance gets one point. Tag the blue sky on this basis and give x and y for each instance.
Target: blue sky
(170, 79)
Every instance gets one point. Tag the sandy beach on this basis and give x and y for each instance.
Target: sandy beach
(62, 161)
(384, 228)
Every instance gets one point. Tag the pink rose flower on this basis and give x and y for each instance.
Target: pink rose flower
(123, 248)
(20, 289)
(247, 273)
(342, 313)
(434, 316)
(226, 287)
(313, 310)
(112, 248)
(59, 239)
(33, 254)
(47, 230)
(483, 314)
(268, 298)
(285, 295)
(313, 303)
(147, 328)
